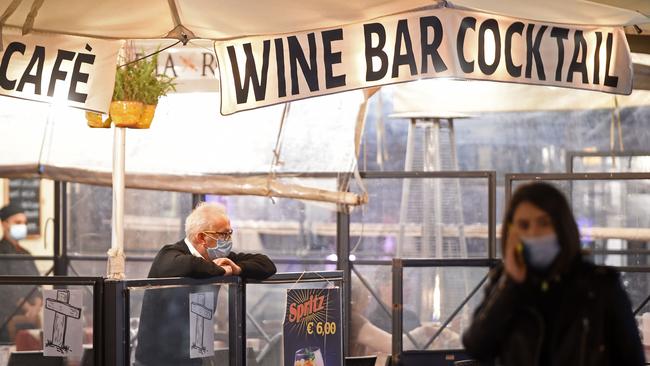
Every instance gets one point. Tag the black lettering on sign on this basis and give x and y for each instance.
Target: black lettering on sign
(579, 51)
(27, 194)
(250, 73)
(518, 28)
(611, 81)
(57, 73)
(493, 26)
(80, 77)
(532, 51)
(431, 49)
(599, 41)
(309, 70)
(38, 60)
(279, 60)
(466, 23)
(407, 58)
(560, 34)
(13, 47)
(332, 58)
(377, 51)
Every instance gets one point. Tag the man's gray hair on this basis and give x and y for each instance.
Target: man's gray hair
(202, 219)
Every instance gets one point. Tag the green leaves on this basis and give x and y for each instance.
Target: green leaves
(138, 82)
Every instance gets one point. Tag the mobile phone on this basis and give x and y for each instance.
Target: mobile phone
(521, 254)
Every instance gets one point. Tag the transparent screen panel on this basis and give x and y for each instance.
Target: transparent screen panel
(281, 228)
(162, 332)
(611, 164)
(152, 219)
(613, 217)
(422, 217)
(23, 327)
(431, 297)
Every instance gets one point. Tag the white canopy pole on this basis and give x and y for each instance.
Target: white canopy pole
(116, 258)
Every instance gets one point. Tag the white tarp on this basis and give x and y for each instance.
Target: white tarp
(127, 19)
(190, 146)
(74, 71)
(266, 70)
(439, 97)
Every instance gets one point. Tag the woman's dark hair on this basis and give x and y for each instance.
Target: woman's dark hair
(550, 200)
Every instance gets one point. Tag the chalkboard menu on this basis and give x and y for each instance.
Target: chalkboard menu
(27, 193)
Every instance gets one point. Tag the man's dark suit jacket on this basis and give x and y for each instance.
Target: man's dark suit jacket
(163, 336)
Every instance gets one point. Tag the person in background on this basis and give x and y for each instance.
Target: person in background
(20, 306)
(546, 304)
(378, 316)
(163, 337)
(367, 338)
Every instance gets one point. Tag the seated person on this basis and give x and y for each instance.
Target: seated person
(366, 338)
(410, 320)
(163, 337)
(20, 306)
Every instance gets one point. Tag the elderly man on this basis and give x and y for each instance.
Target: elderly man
(163, 337)
(15, 311)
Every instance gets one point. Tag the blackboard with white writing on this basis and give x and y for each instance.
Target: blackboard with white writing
(27, 193)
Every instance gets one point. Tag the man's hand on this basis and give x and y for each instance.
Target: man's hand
(233, 268)
(228, 270)
(513, 257)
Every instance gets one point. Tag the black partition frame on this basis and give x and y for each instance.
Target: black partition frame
(61, 258)
(571, 155)
(117, 314)
(347, 266)
(572, 177)
(97, 284)
(398, 265)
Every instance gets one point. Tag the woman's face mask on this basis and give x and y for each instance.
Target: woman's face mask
(18, 231)
(541, 251)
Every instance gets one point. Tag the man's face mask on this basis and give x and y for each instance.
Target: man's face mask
(540, 252)
(222, 249)
(18, 231)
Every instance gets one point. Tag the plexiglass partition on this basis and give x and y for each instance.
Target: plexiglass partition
(51, 320)
(265, 311)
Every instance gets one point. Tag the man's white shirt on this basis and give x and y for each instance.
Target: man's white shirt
(192, 249)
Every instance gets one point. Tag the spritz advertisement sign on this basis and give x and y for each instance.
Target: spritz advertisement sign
(312, 328)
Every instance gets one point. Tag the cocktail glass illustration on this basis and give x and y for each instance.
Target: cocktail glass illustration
(310, 356)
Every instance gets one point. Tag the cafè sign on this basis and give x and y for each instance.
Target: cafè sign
(73, 71)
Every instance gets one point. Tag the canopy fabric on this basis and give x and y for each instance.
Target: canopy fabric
(227, 19)
(443, 97)
(191, 147)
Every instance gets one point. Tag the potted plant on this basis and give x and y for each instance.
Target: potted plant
(135, 96)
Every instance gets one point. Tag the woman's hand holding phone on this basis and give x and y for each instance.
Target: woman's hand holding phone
(514, 263)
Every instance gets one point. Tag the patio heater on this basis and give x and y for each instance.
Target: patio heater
(431, 147)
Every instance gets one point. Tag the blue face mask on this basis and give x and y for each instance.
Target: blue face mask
(540, 252)
(221, 250)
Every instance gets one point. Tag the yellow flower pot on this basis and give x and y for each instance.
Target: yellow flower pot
(94, 120)
(125, 113)
(147, 116)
